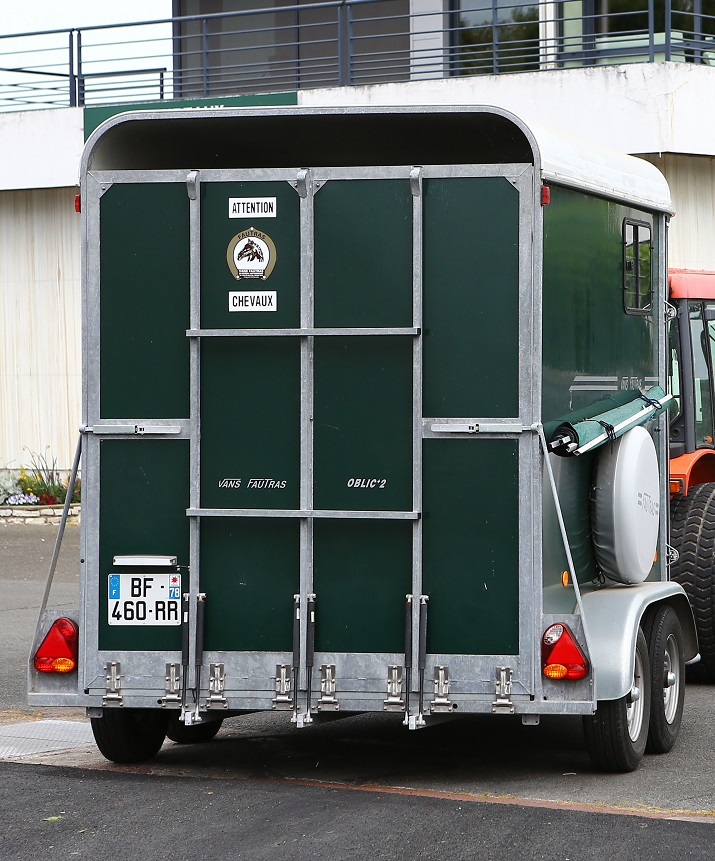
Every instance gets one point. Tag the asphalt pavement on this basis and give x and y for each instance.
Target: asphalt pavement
(361, 787)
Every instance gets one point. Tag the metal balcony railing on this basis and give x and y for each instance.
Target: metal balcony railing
(337, 43)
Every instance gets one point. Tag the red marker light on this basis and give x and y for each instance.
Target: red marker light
(78, 203)
(545, 195)
(561, 656)
(58, 651)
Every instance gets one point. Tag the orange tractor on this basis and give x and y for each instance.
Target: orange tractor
(692, 452)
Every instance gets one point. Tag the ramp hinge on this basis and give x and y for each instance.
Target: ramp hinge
(503, 703)
(416, 181)
(304, 183)
(327, 701)
(441, 704)
(192, 184)
(395, 701)
(173, 685)
(217, 683)
(113, 691)
(283, 700)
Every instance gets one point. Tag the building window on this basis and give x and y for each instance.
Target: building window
(637, 270)
(494, 36)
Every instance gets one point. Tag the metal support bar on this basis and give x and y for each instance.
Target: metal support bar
(199, 652)
(184, 651)
(408, 656)
(422, 660)
(309, 655)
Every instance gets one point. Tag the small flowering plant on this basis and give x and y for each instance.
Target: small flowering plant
(39, 484)
(23, 499)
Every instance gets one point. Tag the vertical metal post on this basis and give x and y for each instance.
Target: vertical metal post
(668, 28)
(344, 76)
(72, 77)
(193, 187)
(697, 32)
(304, 184)
(80, 76)
(651, 32)
(416, 176)
(495, 37)
(205, 53)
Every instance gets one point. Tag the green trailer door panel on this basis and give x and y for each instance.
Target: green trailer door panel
(363, 570)
(363, 423)
(250, 423)
(471, 297)
(144, 301)
(144, 493)
(250, 255)
(471, 546)
(249, 572)
(335, 331)
(363, 254)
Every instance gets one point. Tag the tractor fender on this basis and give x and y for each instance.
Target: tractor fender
(613, 616)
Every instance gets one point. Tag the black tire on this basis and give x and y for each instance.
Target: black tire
(617, 734)
(664, 637)
(130, 735)
(692, 519)
(195, 734)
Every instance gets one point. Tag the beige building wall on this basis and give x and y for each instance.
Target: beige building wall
(40, 322)
(691, 239)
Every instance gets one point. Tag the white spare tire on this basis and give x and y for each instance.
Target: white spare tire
(626, 507)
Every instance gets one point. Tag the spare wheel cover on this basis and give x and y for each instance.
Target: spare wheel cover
(626, 507)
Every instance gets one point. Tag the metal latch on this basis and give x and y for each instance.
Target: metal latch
(503, 703)
(113, 691)
(283, 700)
(134, 430)
(327, 689)
(479, 427)
(441, 703)
(173, 685)
(394, 701)
(217, 683)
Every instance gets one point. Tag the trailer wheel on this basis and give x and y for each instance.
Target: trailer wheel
(617, 733)
(194, 734)
(130, 735)
(667, 667)
(692, 520)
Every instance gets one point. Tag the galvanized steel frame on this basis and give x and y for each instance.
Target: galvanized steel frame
(462, 668)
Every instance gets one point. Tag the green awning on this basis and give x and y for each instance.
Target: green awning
(573, 439)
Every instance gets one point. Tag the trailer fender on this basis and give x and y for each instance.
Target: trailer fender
(613, 616)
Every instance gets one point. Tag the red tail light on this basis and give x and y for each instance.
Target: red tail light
(561, 655)
(77, 203)
(58, 651)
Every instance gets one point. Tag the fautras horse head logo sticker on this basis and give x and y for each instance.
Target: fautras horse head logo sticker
(251, 254)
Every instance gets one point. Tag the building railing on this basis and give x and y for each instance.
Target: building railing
(337, 43)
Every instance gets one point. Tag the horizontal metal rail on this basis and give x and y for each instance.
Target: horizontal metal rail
(336, 42)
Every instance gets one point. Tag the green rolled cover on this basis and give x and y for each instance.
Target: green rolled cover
(575, 438)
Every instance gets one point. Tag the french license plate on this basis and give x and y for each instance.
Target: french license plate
(144, 599)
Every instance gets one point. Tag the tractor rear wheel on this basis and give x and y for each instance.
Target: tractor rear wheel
(692, 520)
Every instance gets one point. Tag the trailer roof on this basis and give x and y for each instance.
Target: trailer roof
(228, 138)
(691, 284)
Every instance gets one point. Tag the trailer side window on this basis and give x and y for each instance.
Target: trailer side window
(637, 283)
